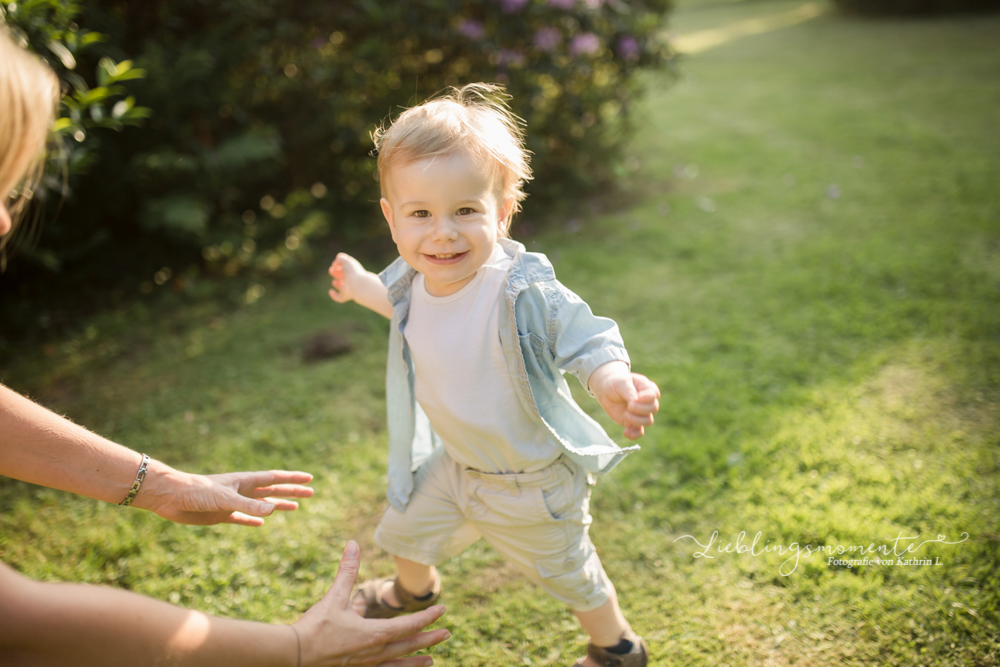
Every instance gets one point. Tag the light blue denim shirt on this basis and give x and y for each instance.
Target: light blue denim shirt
(545, 330)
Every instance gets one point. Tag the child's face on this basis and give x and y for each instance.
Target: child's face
(444, 217)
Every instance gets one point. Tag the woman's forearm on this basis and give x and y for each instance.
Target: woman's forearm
(39, 446)
(63, 624)
(76, 624)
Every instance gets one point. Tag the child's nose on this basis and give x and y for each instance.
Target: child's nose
(445, 229)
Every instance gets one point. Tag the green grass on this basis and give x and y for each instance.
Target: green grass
(830, 368)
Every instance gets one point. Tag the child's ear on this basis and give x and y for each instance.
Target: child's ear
(387, 212)
(504, 212)
(503, 215)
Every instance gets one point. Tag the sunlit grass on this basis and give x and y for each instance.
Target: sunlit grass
(703, 40)
(807, 261)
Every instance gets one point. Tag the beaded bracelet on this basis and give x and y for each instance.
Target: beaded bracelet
(137, 484)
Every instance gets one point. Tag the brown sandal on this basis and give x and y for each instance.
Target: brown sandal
(376, 606)
(637, 657)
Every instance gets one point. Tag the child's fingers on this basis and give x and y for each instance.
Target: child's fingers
(647, 400)
(644, 408)
(635, 427)
(638, 419)
(645, 387)
(633, 432)
(625, 389)
(637, 416)
(648, 396)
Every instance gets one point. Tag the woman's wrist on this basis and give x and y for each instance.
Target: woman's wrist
(140, 477)
(162, 485)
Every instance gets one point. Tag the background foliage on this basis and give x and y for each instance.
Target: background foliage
(49, 28)
(916, 7)
(258, 143)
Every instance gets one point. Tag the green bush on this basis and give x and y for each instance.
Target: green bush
(49, 27)
(916, 7)
(259, 140)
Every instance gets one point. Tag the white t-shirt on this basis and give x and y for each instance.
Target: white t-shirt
(461, 377)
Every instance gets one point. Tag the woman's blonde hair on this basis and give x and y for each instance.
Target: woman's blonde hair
(29, 94)
(474, 120)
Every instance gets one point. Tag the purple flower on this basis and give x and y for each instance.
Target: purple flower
(562, 4)
(627, 48)
(472, 29)
(512, 6)
(585, 42)
(512, 57)
(547, 39)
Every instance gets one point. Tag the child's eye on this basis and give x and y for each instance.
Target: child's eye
(465, 210)
(420, 214)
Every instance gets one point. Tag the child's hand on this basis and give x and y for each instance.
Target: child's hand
(351, 282)
(346, 272)
(629, 398)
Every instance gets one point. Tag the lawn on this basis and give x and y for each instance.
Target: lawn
(805, 257)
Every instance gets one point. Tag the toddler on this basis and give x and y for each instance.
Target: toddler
(485, 439)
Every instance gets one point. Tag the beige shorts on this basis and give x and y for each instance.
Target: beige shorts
(537, 520)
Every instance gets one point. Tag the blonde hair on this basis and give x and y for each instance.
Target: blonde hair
(474, 120)
(29, 94)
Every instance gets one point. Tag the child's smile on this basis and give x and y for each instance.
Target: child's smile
(447, 259)
(444, 218)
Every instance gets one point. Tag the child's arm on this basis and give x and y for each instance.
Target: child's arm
(352, 282)
(629, 398)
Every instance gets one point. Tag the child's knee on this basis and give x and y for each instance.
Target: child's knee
(576, 578)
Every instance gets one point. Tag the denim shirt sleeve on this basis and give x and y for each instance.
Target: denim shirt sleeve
(558, 334)
(580, 341)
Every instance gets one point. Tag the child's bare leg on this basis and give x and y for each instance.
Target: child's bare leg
(414, 577)
(605, 625)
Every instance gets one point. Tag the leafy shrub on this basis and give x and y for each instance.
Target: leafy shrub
(904, 7)
(259, 140)
(49, 26)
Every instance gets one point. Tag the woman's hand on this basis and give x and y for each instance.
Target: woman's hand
(235, 497)
(332, 633)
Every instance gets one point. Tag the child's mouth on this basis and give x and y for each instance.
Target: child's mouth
(446, 257)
